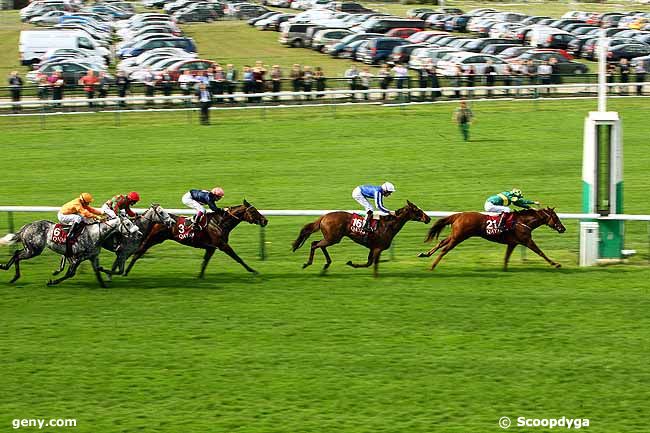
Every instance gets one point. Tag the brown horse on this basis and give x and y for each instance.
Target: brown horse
(336, 225)
(465, 225)
(213, 236)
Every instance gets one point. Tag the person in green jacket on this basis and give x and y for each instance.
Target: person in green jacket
(499, 203)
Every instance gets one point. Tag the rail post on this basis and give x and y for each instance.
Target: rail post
(262, 249)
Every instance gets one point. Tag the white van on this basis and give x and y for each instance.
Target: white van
(34, 43)
(539, 36)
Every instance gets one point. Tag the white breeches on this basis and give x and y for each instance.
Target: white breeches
(356, 194)
(72, 218)
(191, 203)
(108, 211)
(489, 207)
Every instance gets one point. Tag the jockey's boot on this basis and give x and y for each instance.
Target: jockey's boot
(501, 224)
(74, 230)
(367, 222)
(196, 222)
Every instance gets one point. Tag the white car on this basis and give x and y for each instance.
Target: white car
(502, 30)
(421, 57)
(449, 64)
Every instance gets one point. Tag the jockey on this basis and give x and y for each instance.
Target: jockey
(499, 203)
(196, 198)
(77, 213)
(121, 204)
(363, 192)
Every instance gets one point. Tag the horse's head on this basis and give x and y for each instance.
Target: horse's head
(126, 227)
(413, 213)
(160, 215)
(247, 212)
(552, 220)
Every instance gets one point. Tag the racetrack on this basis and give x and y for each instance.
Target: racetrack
(291, 351)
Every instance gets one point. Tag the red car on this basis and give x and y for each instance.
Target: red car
(195, 66)
(403, 33)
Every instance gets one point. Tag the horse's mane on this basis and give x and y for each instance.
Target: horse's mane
(533, 211)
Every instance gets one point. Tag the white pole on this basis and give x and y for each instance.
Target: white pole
(602, 71)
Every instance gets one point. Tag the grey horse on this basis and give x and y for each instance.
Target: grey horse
(37, 235)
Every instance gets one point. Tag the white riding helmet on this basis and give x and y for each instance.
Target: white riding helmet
(388, 187)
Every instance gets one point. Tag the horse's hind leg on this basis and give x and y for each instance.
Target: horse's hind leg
(72, 270)
(312, 250)
(429, 253)
(23, 254)
(328, 259)
(98, 271)
(453, 242)
(209, 252)
(372, 256)
(509, 249)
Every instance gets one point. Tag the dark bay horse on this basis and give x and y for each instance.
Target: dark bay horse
(336, 225)
(465, 225)
(214, 236)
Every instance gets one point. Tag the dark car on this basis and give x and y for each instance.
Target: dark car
(610, 20)
(575, 46)
(402, 53)
(573, 26)
(479, 44)
(512, 52)
(186, 44)
(250, 11)
(378, 50)
(336, 49)
(533, 20)
(565, 66)
(252, 21)
(627, 51)
(196, 13)
(277, 20)
(558, 24)
(71, 71)
(457, 24)
(559, 40)
(589, 47)
(350, 51)
(383, 25)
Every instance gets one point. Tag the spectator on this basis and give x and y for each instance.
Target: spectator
(43, 86)
(639, 76)
(364, 81)
(456, 80)
(218, 83)
(296, 78)
(401, 77)
(104, 86)
(530, 70)
(556, 77)
(490, 73)
(463, 117)
(319, 76)
(470, 78)
(423, 81)
(544, 72)
(517, 75)
(276, 81)
(248, 79)
(258, 81)
(166, 83)
(205, 101)
(609, 75)
(16, 85)
(57, 83)
(122, 83)
(507, 78)
(433, 80)
(352, 75)
(307, 80)
(385, 76)
(212, 83)
(231, 80)
(89, 82)
(149, 86)
(186, 83)
(624, 71)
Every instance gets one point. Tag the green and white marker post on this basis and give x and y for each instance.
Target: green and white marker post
(602, 166)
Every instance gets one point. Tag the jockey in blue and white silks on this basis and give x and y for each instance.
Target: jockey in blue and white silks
(375, 192)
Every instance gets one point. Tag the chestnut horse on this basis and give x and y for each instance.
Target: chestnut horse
(465, 225)
(213, 236)
(336, 225)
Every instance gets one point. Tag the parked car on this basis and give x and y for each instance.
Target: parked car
(496, 49)
(351, 50)
(422, 37)
(512, 52)
(252, 21)
(479, 44)
(402, 53)
(335, 49)
(422, 57)
(195, 66)
(71, 71)
(325, 37)
(378, 50)
(627, 51)
(196, 13)
(383, 25)
(294, 35)
(449, 64)
(566, 67)
(403, 33)
(186, 44)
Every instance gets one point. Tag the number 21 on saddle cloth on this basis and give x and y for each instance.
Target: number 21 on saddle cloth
(492, 223)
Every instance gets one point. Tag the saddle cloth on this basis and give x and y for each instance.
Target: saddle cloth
(492, 223)
(60, 234)
(356, 224)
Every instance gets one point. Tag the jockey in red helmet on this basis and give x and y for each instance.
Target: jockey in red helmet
(121, 204)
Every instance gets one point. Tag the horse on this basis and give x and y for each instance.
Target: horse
(214, 236)
(38, 235)
(335, 225)
(465, 225)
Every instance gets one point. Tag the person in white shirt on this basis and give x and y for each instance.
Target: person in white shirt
(401, 75)
(364, 81)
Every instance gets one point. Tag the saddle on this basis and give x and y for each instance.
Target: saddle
(492, 223)
(187, 228)
(356, 225)
(60, 234)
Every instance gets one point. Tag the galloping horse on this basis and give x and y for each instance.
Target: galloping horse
(213, 236)
(465, 225)
(38, 235)
(336, 225)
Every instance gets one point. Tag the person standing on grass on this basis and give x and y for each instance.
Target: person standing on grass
(639, 77)
(490, 73)
(401, 77)
(544, 72)
(319, 76)
(89, 82)
(149, 86)
(463, 117)
(364, 81)
(16, 86)
(433, 80)
(122, 83)
(624, 71)
(307, 81)
(385, 76)
(57, 83)
(205, 101)
(104, 85)
(231, 80)
(352, 74)
(296, 79)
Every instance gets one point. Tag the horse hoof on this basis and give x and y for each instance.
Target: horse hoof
(422, 255)
(557, 266)
(50, 283)
(305, 265)
(349, 263)
(253, 271)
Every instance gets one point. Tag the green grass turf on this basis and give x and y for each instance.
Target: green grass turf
(292, 351)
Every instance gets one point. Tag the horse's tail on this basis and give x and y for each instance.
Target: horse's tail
(306, 231)
(9, 239)
(437, 227)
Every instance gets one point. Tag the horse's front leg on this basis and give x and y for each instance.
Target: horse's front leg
(371, 259)
(509, 249)
(61, 266)
(530, 243)
(209, 252)
(72, 270)
(98, 270)
(228, 250)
